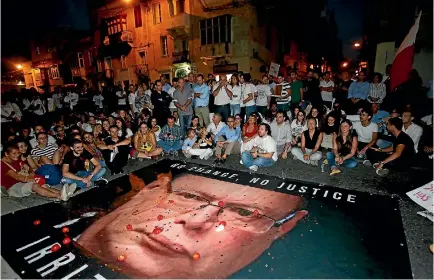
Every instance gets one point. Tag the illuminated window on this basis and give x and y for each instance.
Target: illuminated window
(142, 55)
(54, 72)
(215, 30)
(108, 63)
(164, 48)
(138, 16)
(156, 11)
(80, 59)
(98, 66)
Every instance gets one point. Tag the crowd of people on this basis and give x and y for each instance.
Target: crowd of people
(340, 120)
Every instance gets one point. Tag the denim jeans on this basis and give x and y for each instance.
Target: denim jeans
(349, 163)
(235, 109)
(84, 174)
(383, 144)
(248, 160)
(223, 110)
(297, 152)
(249, 110)
(184, 122)
(170, 146)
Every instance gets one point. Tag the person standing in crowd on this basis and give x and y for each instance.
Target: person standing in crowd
(201, 100)
(39, 128)
(183, 97)
(145, 144)
(264, 96)
(75, 168)
(297, 90)
(398, 156)
(222, 97)
(71, 99)
(358, 94)
(341, 92)
(132, 100)
(410, 128)
(377, 90)
(98, 101)
(248, 94)
(228, 138)
(216, 125)
(281, 133)
(327, 86)
(122, 96)
(115, 151)
(165, 83)
(161, 100)
(235, 88)
(344, 148)
(285, 94)
(367, 132)
(19, 181)
(311, 139)
(171, 137)
(172, 89)
(264, 152)
(311, 89)
(191, 80)
(141, 100)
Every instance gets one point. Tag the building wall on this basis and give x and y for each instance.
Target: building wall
(247, 36)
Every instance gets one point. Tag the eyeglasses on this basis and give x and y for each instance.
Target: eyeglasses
(242, 217)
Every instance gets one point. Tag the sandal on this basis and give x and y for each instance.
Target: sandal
(335, 171)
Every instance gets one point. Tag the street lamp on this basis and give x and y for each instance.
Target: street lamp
(345, 64)
(19, 66)
(357, 45)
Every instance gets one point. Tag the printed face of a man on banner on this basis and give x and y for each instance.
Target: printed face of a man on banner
(205, 228)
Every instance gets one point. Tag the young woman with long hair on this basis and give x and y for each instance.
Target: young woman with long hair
(311, 139)
(235, 88)
(145, 143)
(344, 148)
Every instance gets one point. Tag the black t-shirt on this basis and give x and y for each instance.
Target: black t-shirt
(327, 129)
(76, 163)
(408, 152)
(308, 142)
(109, 140)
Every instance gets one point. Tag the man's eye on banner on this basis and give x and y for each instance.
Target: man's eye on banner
(204, 228)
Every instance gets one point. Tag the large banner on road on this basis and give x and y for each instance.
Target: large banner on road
(183, 220)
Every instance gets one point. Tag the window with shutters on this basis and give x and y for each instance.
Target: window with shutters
(80, 59)
(138, 16)
(215, 30)
(54, 72)
(156, 11)
(164, 46)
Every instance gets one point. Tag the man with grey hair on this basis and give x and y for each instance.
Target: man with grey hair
(216, 125)
(183, 98)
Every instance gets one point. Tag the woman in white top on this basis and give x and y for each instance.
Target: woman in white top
(235, 88)
(155, 128)
(298, 125)
(377, 90)
(248, 94)
(124, 131)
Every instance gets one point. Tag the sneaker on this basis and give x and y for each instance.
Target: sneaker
(382, 171)
(71, 188)
(207, 155)
(64, 193)
(314, 162)
(375, 166)
(367, 162)
(241, 161)
(253, 168)
(102, 179)
(335, 171)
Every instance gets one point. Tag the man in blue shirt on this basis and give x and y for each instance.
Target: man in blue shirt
(170, 137)
(201, 101)
(379, 117)
(228, 139)
(357, 95)
(166, 85)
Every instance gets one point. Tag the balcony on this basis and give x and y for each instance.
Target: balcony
(123, 36)
(78, 72)
(179, 25)
(180, 57)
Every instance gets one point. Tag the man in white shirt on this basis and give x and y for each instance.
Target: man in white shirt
(367, 132)
(97, 100)
(264, 151)
(172, 106)
(410, 128)
(122, 98)
(264, 96)
(216, 125)
(39, 128)
(248, 94)
(285, 94)
(222, 97)
(281, 133)
(72, 99)
(58, 98)
(37, 105)
(132, 100)
(326, 86)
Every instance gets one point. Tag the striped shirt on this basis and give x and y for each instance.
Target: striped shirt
(377, 93)
(48, 151)
(285, 88)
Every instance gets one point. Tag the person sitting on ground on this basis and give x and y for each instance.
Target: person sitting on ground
(90, 144)
(281, 133)
(311, 139)
(195, 124)
(298, 125)
(76, 167)
(45, 153)
(238, 121)
(328, 130)
(145, 144)
(25, 153)
(264, 151)
(228, 139)
(115, 151)
(413, 130)
(367, 132)
(39, 128)
(195, 146)
(124, 131)
(155, 128)
(170, 137)
(314, 113)
(398, 156)
(216, 125)
(250, 131)
(18, 180)
(344, 148)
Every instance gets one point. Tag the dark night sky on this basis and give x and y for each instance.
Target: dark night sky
(21, 19)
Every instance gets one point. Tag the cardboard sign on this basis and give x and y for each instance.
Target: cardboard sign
(274, 69)
(423, 196)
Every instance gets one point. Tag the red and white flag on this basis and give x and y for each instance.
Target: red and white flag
(403, 61)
